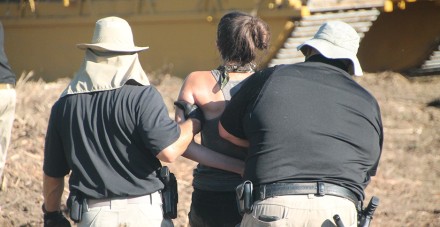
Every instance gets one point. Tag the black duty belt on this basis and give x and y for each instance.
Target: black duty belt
(316, 188)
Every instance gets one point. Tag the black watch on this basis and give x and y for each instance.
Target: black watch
(54, 218)
(52, 213)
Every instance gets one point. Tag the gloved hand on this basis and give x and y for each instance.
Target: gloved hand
(55, 219)
(190, 110)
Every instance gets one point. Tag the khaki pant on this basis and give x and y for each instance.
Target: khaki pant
(140, 211)
(7, 112)
(301, 210)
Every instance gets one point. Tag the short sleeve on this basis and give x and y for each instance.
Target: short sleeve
(156, 128)
(373, 170)
(55, 162)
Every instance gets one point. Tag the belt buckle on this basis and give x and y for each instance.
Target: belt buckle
(262, 192)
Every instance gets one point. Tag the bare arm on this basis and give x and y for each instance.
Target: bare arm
(208, 157)
(197, 152)
(231, 138)
(52, 191)
(187, 130)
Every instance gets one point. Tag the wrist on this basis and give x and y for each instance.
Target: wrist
(192, 112)
(54, 218)
(49, 213)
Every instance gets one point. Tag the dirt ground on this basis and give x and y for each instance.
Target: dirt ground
(408, 180)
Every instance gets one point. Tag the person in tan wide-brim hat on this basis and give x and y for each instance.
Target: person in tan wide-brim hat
(111, 59)
(112, 34)
(109, 130)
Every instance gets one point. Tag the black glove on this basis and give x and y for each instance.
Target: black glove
(55, 219)
(190, 110)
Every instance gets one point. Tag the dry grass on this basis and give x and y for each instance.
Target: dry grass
(407, 183)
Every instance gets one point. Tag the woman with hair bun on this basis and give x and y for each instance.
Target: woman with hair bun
(240, 37)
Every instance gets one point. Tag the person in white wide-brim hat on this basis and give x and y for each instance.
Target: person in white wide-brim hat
(335, 40)
(314, 135)
(110, 129)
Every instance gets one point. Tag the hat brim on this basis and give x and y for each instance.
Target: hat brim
(110, 47)
(334, 52)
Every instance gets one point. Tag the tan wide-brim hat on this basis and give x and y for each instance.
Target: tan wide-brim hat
(112, 34)
(337, 40)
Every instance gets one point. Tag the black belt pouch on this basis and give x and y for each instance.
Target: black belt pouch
(244, 197)
(75, 204)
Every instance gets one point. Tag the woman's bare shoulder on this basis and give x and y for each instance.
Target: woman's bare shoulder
(202, 86)
(199, 78)
(199, 75)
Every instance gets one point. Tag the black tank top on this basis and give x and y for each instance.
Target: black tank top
(212, 179)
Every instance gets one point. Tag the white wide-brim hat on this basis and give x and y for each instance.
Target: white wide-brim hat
(337, 40)
(112, 34)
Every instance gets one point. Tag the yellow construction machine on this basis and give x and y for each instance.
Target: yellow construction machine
(40, 35)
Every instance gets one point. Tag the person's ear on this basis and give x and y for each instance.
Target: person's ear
(307, 51)
(304, 51)
(351, 68)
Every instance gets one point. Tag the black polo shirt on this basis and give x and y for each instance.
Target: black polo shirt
(307, 122)
(109, 141)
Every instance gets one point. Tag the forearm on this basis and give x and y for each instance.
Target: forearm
(231, 138)
(208, 157)
(187, 130)
(52, 191)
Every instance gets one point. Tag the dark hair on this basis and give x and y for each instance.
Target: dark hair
(240, 35)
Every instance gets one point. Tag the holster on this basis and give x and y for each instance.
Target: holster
(365, 216)
(244, 197)
(170, 196)
(75, 203)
